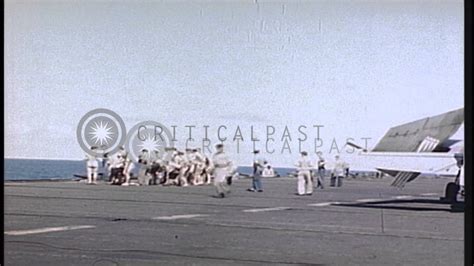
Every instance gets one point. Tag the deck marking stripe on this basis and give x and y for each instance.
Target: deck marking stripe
(47, 230)
(403, 197)
(267, 209)
(175, 217)
(368, 200)
(429, 194)
(322, 204)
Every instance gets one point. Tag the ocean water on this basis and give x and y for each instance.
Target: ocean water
(34, 169)
(31, 169)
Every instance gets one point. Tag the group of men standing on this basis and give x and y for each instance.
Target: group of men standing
(194, 168)
(306, 173)
(172, 168)
(119, 167)
(188, 168)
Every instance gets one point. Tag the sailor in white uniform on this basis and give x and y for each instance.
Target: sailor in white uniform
(460, 175)
(268, 171)
(199, 164)
(176, 168)
(143, 161)
(321, 163)
(338, 172)
(182, 164)
(92, 167)
(118, 168)
(303, 167)
(258, 167)
(127, 170)
(222, 168)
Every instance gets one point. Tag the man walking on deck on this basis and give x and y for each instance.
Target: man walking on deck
(303, 167)
(258, 163)
(222, 169)
(321, 170)
(338, 172)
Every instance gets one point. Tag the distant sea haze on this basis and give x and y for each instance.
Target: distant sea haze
(36, 169)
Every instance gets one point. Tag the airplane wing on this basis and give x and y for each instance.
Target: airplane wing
(421, 147)
(423, 135)
(401, 177)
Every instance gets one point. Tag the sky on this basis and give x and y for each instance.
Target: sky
(355, 67)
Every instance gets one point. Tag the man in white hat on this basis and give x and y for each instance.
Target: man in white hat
(258, 167)
(268, 171)
(144, 162)
(199, 164)
(222, 168)
(460, 175)
(92, 167)
(303, 167)
(338, 172)
(127, 170)
(117, 167)
(321, 163)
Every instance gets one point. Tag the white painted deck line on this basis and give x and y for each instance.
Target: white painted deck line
(429, 194)
(267, 209)
(322, 204)
(403, 197)
(175, 217)
(47, 230)
(368, 200)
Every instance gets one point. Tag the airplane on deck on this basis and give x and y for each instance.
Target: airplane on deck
(424, 147)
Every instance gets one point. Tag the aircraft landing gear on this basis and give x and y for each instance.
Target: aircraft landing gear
(451, 193)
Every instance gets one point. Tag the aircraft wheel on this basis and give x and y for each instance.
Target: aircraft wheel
(451, 192)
